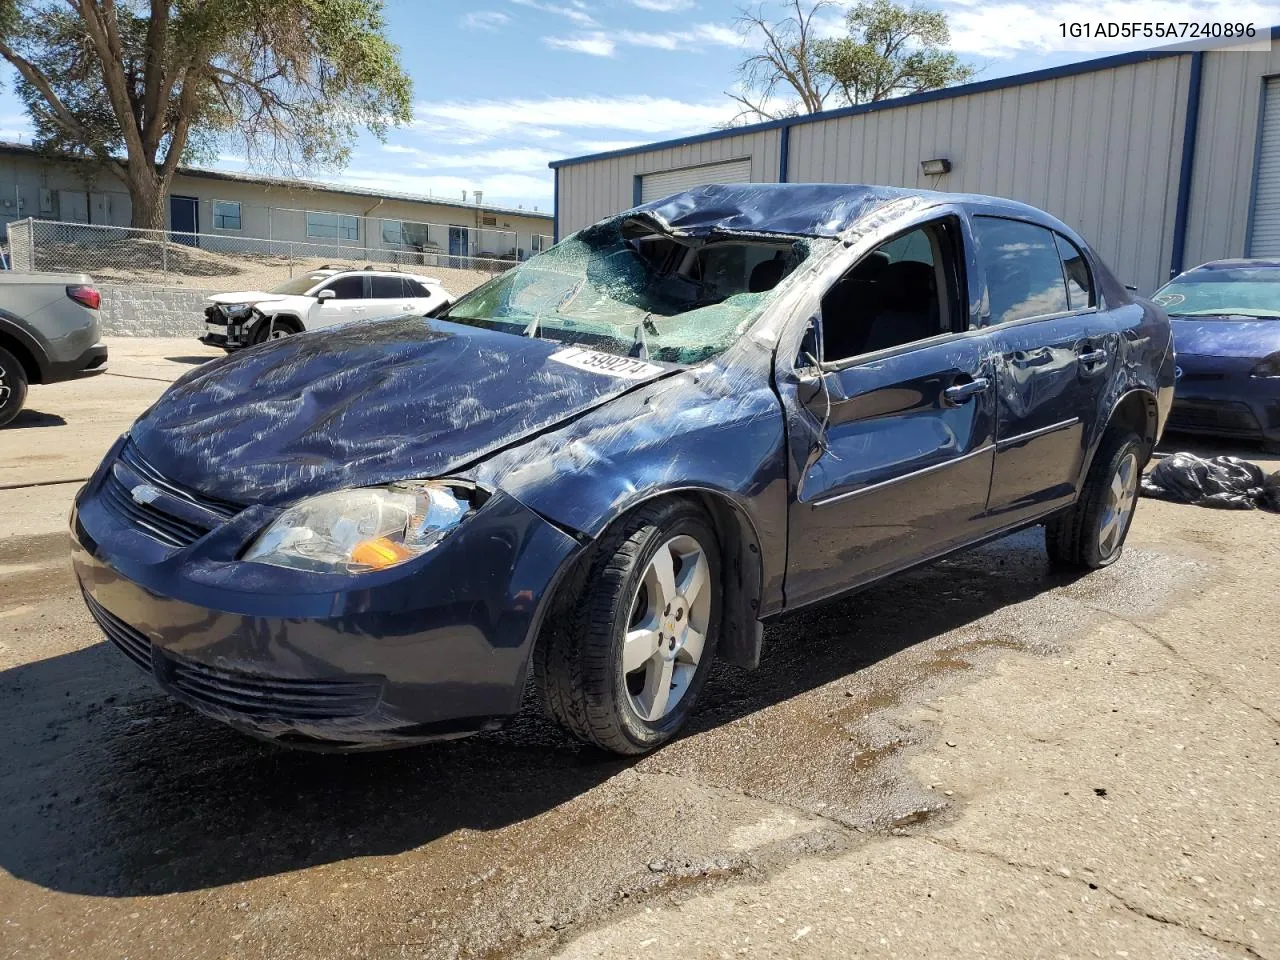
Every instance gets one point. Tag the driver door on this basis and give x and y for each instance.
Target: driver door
(892, 432)
(349, 301)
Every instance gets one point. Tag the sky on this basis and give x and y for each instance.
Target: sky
(503, 87)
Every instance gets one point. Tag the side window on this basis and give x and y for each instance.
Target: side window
(1024, 272)
(350, 287)
(905, 290)
(415, 289)
(1076, 268)
(387, 288)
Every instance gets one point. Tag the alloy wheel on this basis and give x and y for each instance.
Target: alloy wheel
(667, 629)
(1120, 499)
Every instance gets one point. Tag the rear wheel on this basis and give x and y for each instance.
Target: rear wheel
(1092, 533)
(640, 632)
(13, 386)
(274, 328)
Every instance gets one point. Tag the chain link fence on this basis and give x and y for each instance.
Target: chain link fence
(221, 262)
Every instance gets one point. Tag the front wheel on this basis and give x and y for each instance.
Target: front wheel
(624, 669)
(1091, 534)
(277, 328)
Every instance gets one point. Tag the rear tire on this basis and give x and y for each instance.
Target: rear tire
(638, 631)
(266, 330)
(1091, 534)
(13, 386)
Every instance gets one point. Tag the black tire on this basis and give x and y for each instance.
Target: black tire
(1074, 538)
(13, 386)
(265, 329)
(578, 660)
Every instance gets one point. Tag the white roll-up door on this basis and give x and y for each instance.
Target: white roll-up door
(655, 186)
(1265, 238)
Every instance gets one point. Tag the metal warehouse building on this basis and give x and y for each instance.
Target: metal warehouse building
(1163, 159)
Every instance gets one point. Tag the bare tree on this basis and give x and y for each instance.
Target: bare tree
(787, 61)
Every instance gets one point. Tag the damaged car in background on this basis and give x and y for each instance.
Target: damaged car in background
(609, 466)
(319, 298)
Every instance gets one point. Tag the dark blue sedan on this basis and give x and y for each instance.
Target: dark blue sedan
(611, 464)
(1226, 325)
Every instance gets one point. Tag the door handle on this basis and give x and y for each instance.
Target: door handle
(960, 392)
(1092, 356)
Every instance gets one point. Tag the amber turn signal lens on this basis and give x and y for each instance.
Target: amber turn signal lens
(379, 553)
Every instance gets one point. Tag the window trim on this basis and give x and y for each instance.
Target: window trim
(338, 236)
(954, 219)
(1093, 274)
(239, 217)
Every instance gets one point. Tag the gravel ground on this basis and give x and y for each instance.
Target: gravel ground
(981, 758)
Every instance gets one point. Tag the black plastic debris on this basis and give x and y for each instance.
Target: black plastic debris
(1228, 483)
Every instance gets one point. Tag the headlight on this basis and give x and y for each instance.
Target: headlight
(356, 531)
(1268, 367)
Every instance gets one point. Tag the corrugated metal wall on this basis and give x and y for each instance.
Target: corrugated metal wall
(594, 190)
(1100, 149)
(1222, 178)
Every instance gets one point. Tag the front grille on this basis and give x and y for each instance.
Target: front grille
(151, 518)
(271, 698)
(132, 642)
(1235, 418)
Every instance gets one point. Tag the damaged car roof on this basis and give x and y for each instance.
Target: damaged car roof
(790, 209)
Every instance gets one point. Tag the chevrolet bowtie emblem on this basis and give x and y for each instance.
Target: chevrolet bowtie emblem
(145, 493)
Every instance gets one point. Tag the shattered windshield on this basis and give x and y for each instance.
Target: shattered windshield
(626, 288)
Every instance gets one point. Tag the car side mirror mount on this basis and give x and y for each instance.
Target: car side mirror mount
(326, 295)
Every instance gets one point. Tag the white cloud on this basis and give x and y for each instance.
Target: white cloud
(485, 19)
(662, 6)
(1006, 29)
(643, 115)
(504, 189)
(593, 44)
(512, 159)
(574, 10)
(605, 146)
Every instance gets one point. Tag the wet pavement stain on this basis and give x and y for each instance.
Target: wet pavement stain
(128, 816)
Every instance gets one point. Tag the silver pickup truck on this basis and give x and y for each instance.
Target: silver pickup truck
(49, 331)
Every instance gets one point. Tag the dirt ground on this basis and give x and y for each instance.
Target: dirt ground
(978, 759)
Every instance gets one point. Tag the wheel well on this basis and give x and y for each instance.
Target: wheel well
(1137, 411)
(297, 322)
(29, 366)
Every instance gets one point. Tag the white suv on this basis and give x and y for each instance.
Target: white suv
(317, 299)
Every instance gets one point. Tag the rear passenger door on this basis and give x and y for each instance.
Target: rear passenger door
(1054, 350)
(388, 297)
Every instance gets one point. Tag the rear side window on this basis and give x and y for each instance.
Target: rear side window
(387, 288)
(347, 288)
(1024, 271)
(415, 289)
(1076, 269)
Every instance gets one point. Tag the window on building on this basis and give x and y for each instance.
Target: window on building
(333, 226)
(489, 221)
(1079, 280)
(226, 214)
(537, 244)
(1024, 271)
(393, 233)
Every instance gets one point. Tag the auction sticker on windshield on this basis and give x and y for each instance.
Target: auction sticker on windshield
(606, 363)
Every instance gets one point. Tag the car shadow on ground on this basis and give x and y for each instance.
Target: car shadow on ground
(35, 418)
(194, 361)
(111, 789)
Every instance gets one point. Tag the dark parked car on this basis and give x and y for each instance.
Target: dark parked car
(1226, 328)
(611, 463)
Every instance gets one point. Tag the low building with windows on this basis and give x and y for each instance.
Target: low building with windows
(215, 203)
(1162, 159)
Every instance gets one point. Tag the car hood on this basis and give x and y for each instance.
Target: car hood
(368, 403)
(1222, 337)
(244, 296)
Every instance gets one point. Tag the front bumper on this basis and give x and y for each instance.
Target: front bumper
(437, 648)
(1217, 397)
(228, 329)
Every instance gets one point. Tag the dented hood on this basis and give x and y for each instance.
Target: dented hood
(1226, 336)
(244, 296)
(368, 403)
